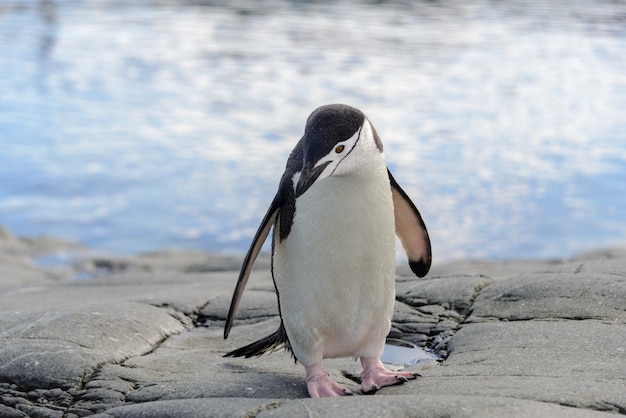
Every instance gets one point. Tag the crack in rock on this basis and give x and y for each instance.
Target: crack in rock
(82, 397)
(91, 395)
(429, 312)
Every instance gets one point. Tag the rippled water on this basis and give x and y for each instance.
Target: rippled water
(131, 126)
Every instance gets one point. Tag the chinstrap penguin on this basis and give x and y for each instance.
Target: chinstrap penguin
(335, 217)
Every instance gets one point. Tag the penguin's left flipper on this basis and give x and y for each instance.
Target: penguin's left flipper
(261, 234)
(411, 230)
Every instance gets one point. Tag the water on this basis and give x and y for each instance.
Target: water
(134, 125)
(404, 354)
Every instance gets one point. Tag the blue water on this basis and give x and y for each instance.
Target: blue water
(136, 125)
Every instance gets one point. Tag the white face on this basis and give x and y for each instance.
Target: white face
(352, 154)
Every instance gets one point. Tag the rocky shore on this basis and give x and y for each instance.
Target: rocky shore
(142, 336)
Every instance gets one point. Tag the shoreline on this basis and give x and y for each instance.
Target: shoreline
(62, 259)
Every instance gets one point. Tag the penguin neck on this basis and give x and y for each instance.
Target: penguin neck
(365, 188)
(363, 166)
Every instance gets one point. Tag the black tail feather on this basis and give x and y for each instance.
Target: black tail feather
(269, 344)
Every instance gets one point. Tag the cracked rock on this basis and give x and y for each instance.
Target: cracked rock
(518, 339)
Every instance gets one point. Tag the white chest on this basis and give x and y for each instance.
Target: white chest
(335, 271)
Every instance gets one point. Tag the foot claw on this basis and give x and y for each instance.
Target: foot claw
(401, 379)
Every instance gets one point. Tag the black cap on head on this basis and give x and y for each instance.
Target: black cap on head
(327, 126)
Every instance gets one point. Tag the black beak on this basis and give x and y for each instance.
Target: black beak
(308, 177)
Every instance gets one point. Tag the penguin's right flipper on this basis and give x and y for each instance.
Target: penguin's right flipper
(269, 344)
(261, 234)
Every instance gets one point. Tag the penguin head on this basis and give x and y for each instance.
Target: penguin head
(338, 140)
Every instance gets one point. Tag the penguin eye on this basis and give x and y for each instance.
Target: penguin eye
(339, 149)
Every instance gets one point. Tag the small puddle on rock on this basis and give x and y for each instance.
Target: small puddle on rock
(403, 353)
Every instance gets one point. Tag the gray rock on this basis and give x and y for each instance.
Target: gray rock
(496, 270)
(191, 408)
(255, 305)
(59, 349)
(578, 295)
(15, 272)
(44, 244)
(457, 292)
(171, 260)
(435, 406)
(518, 338)
(429, 406)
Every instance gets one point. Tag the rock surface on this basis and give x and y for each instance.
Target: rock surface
(517, 338)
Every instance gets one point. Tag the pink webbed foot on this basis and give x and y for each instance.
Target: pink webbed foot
(320, 385)
(375, 375)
